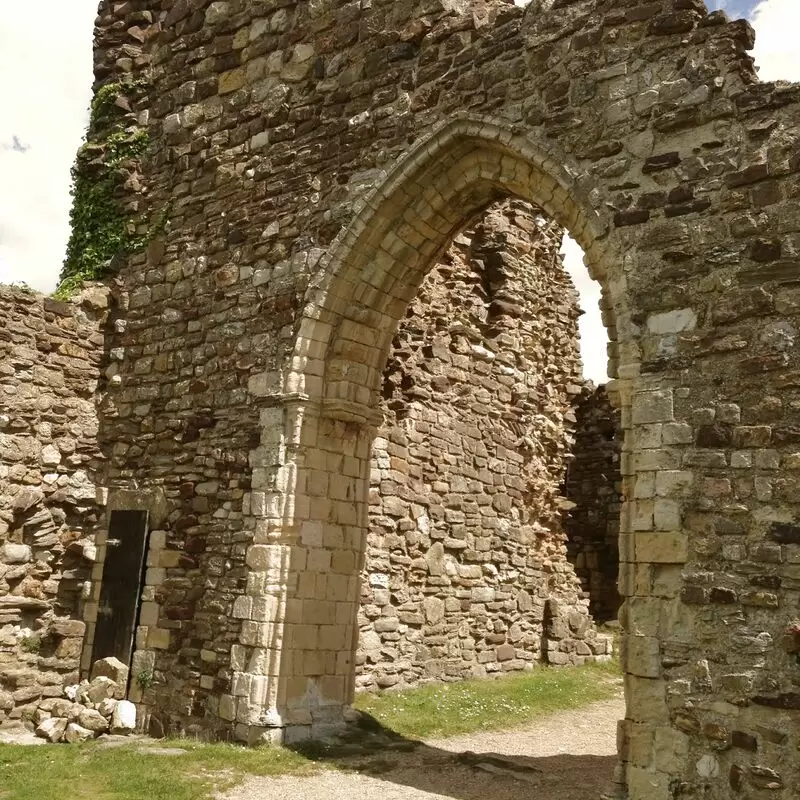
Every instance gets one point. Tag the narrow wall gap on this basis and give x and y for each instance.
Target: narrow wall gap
(593, 483)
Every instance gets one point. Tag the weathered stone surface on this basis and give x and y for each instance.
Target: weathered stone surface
(468, 466)
(106, 707)
(76, 733)
(92, 720)
(302, 175)
(123, 720)
(50, 356)
(52, 729)
(113, 669)
(15, 553)
(100, 688)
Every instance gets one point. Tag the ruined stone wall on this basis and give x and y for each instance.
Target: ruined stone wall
(594, 485)
(466, 571)
(50, 358)
(314, 160)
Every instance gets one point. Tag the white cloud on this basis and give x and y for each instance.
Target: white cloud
(592, 332)
(777, 51)
(46, 74)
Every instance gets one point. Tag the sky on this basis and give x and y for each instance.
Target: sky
(45, 83)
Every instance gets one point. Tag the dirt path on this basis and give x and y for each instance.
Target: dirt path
(567, 756)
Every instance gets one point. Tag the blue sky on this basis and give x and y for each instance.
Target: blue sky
(45, 115)
(735, 8)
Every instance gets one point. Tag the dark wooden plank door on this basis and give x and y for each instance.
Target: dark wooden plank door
(121, 587)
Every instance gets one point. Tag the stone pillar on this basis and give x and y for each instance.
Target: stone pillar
(293, 665)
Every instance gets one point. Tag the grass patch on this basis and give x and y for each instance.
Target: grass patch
(90, 772)
(133, 772)
(467, 706)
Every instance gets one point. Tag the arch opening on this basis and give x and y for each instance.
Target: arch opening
(331, 393)
(478, 564)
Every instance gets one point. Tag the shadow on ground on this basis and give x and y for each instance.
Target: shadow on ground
(381, 754)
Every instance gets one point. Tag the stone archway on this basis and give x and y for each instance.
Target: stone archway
(318, 521)
(466, 570)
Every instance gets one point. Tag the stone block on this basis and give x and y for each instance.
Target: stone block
(113, 669)
(655, 406)
(15, 553)
(52, 729)
(662, 548)
(677, 321)
(92, 720)
(643, 656)
(101, 687)
(123, 720)
(76, 733)
(647, 784)
(158, 639)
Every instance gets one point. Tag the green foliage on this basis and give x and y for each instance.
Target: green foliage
(31, 644)
(104, 110)
(452, 709)
(130, 772)
(101, 230)
(19, 286)
(144, 679)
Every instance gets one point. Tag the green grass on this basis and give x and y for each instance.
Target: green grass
(456, 708)
(132, 772)
(89, 772)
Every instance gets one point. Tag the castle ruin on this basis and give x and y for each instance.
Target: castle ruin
(283, 177)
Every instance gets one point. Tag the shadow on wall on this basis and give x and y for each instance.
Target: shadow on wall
(593, 485)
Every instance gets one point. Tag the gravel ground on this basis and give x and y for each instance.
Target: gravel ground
(566, 756)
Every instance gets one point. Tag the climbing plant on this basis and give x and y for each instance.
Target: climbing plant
(102, 229)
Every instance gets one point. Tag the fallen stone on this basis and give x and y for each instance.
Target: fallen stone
(93, 720)
(76, 733)
(61, 707)
(106, 708)
(113, 669)
(123, 720)
(99, 689)
(40, 715)
(52, 729)
(71, 692)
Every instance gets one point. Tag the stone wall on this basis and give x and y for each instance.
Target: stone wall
(314, 160)
(50, 357)
(594, 485)
(466, 571)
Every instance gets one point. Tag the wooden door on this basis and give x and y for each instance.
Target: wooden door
(122, 586)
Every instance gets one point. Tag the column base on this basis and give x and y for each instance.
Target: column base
(321, 724)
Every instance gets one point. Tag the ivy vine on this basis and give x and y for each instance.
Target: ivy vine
(101, 229)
